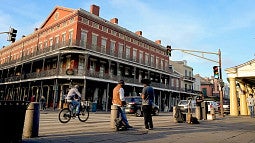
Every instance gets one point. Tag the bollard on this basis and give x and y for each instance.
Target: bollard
(174, 112)
(114, 114)
(211, 116)
(204, 110)
(198, 112)
(31, 125)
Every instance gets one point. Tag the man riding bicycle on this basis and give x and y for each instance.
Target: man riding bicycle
(74, 96)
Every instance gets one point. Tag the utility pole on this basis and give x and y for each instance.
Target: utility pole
(220, 81)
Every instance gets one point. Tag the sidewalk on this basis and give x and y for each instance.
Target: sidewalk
(97, 129)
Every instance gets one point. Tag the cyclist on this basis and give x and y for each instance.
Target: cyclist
(74, 96)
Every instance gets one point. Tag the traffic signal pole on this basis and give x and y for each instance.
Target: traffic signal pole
(12, 33)
(220, 81)
(220, 86)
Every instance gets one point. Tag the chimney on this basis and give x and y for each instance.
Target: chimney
(158, 42)
(94, 9)
(114, 20)
(139, 33)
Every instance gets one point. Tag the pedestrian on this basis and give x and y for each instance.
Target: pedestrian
(118, 99)
(251, 103)
(147, 101)
(43, 103)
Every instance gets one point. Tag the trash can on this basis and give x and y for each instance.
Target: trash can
(12, 120)
(31, 124)
(94, 107)
(114, 115)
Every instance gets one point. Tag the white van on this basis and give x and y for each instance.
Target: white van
(212, 104)
(183, 105)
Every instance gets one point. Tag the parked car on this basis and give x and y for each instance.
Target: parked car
(212, 104)
(183, 105)
(134, 106)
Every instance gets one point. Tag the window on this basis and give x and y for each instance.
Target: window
(45, 44)
(112, 48)
(128, 53)
(56, 15)
(85, 20)
(114, 33)
(57, 40)
(70, 37)
(94, 40)
(146, 58)
(103, 45)
(152, 60)
(162, 64)
(204, 91)
(72, 20)
(120, 52)
(157, 62)
(141, 57)
(51, 42)
(63, 38)
(135, 55)
(95, 25)
(84, 35)
(104, 29)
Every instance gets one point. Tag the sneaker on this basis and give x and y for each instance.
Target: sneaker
(129, 126)
(150, 129)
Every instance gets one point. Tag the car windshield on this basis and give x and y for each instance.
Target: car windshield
(183, 102)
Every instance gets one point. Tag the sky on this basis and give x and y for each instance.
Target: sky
(198, 25)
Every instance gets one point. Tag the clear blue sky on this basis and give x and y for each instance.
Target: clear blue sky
(204, 25)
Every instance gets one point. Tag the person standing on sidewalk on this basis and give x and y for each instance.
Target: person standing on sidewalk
(118, 99)
(251, 103)
(147, 101)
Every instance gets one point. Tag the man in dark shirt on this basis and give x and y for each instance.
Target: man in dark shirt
(147, 101)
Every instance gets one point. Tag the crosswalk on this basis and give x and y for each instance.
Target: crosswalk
(97, 122)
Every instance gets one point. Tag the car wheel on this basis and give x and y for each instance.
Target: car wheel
(138, 113)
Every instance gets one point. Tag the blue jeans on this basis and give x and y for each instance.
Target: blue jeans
(122, 113)
(77, 105)
(251, 108)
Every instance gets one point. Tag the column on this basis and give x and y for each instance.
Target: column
(243, 104)
(233, 97)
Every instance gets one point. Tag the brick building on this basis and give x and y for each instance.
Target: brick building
(74, 46)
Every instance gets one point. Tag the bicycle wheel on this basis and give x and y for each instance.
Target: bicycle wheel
(64, 115)
(84, 115)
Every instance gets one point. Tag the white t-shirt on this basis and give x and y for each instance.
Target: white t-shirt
(250, 101)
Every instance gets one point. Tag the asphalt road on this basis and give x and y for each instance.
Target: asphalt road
(97, 128)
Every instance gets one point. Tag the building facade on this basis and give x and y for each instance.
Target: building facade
(241, 80)
(74, 46)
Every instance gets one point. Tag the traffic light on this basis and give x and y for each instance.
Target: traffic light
(12, 35)
(216, 71)
(168, 50)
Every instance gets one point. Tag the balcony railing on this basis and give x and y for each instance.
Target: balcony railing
(73, 43)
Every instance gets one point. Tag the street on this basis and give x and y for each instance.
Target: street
(97, 129)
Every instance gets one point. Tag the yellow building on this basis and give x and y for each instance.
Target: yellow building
(241, 80)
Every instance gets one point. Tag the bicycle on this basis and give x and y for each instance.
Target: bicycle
(66, 114)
